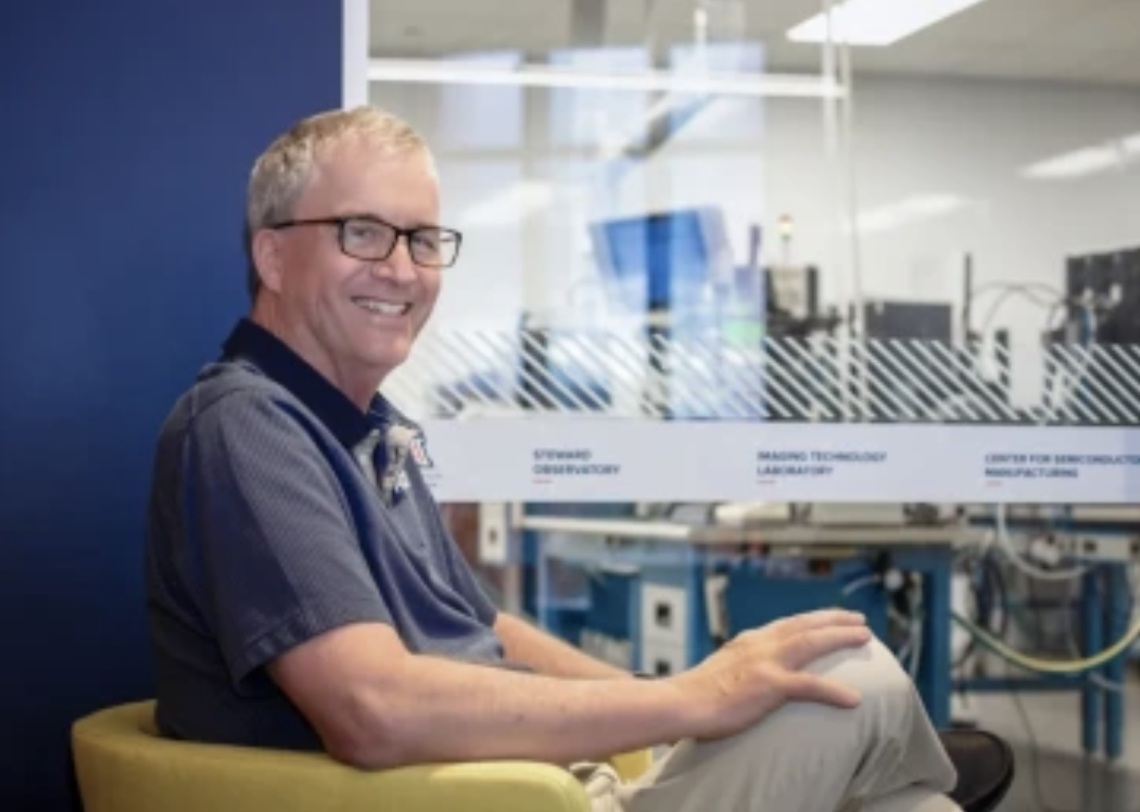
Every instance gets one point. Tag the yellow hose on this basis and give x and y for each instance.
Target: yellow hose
(1048, 666)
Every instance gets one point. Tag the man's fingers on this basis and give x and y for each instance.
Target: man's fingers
(811, 688)
(806, 648)
(823, 618)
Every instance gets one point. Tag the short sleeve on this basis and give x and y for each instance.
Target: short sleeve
(279, 559)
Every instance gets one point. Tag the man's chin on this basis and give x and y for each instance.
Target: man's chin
(388, 360)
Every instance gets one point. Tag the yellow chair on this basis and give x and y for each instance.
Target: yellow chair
(122, 765)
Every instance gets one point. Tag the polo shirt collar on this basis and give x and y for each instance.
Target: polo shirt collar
(252, 342)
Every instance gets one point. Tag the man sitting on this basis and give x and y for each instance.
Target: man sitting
(304, 593)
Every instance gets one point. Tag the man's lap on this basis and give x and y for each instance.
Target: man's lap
(801, 754)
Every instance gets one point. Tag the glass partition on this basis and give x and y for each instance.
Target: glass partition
(621, 172)
(680, 211)
(756, 279)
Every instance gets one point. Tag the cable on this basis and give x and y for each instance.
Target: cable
(1013, 288)
(911, 650)
(860, 583)
(990, 598)
(1034, 753)
(1044, 296)
(1027, 567)
(1036, 773)
(997, 285)
(1048, 666)
(1106, 684)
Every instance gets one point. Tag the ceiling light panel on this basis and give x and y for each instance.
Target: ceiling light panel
(876, 22)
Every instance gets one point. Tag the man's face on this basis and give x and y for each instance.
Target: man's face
(355, 320)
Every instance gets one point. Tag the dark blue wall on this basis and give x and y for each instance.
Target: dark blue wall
(127, 130)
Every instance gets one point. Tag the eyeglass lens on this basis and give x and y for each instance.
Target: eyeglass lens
(374, 240)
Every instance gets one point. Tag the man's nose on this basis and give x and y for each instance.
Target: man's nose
(399, 266)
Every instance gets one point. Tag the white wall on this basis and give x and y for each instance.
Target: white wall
(965, 140)
(970, 140)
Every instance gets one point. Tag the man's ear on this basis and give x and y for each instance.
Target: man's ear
(266, 252)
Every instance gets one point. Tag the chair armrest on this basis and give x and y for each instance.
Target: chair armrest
(506, 786)
(120, 768)
(289, 782)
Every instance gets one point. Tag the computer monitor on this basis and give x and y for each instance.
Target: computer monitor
(679, 264)
(903, 382)
(663, 259)
(930, 321)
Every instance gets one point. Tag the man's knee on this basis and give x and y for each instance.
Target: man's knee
(888, 700)
(829, 742)
(872, 670)
(887, 709)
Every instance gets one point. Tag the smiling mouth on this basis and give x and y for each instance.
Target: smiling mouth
(381, 307)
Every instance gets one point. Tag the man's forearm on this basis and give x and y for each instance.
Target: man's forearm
(548, 655)
(442, 710)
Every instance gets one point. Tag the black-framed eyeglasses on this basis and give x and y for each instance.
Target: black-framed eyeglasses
(373, 240)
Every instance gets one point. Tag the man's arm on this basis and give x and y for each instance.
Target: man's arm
(376, 705)
(546, 654)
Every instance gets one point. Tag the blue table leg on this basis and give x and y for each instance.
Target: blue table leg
(1092, 628)
(700, 641)
(934, 683)
(1116, 624)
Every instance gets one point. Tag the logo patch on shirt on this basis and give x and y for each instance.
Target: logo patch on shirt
(420, 453)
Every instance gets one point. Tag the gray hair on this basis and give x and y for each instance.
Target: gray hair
(282, 173)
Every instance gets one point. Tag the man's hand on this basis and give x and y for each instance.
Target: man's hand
(760, 670)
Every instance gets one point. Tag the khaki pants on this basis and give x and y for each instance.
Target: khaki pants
(883, 756)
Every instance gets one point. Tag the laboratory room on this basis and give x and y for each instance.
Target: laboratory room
(764, 310)
(536, 405)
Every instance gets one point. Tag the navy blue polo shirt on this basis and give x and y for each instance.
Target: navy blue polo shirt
(266, 528)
